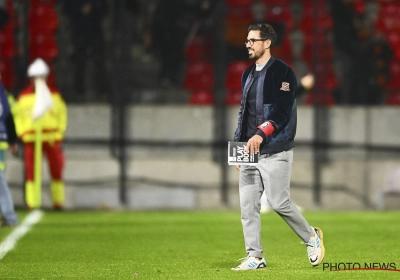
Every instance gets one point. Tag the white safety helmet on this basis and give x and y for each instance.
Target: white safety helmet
(38, 68)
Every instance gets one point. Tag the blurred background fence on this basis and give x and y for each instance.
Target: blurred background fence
(153, 89)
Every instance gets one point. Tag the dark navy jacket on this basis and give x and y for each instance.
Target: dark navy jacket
(275, 102)
(4, 112)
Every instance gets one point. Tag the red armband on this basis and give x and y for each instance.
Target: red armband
(267, 128)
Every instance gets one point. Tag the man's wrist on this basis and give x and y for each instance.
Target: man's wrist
(267, 128)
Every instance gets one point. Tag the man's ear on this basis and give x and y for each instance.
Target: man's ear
(268, 44)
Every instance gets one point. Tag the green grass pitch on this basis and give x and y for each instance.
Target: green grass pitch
(194, 245)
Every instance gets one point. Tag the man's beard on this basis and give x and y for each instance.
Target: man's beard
(256, 55)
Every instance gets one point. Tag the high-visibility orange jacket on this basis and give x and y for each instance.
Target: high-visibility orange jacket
(54, 122)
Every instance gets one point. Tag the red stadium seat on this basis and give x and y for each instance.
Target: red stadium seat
(391, 9)
(388, 16)
(307, 23)
(393, 99)
(237, 67)
(332, 82)
(199, 49)
(199, 75)
(7, 73)
(359, 6)
(276, 2)
(388, 24)
(201, 97)
(42, 3)
(280, 13)
(309, 5)
(43, 45)
(234, 97)
(239, 2)
(43, 18)
(322, 19)
(394, 83)
(233, 79)
(7, 46)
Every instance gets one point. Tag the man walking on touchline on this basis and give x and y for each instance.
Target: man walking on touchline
(267, 122)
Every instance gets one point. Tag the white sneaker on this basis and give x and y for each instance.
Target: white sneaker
(315, 247)
(250, 263)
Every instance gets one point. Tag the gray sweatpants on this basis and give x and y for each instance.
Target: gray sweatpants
(272, 173)
(6, 200)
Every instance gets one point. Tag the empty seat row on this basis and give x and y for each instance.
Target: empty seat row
(42, 26)
(42, 18)
(8, 48)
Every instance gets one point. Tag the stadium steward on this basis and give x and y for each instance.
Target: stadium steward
(41, 116)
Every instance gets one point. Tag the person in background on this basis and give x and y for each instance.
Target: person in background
(4, 17)
(86, 17)
(175, 23)
(54, 123)
(346, 46)
(7, 211)
(373, 57)
(307, 82)
(267, 122)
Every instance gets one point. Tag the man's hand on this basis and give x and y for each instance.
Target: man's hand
(253, 145)
(237, 167)
(308, 81)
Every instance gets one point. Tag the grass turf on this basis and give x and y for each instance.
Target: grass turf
(195, 245)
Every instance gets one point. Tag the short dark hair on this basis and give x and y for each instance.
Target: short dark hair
(266, 31)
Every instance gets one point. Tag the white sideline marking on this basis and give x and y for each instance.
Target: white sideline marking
(12, 239)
